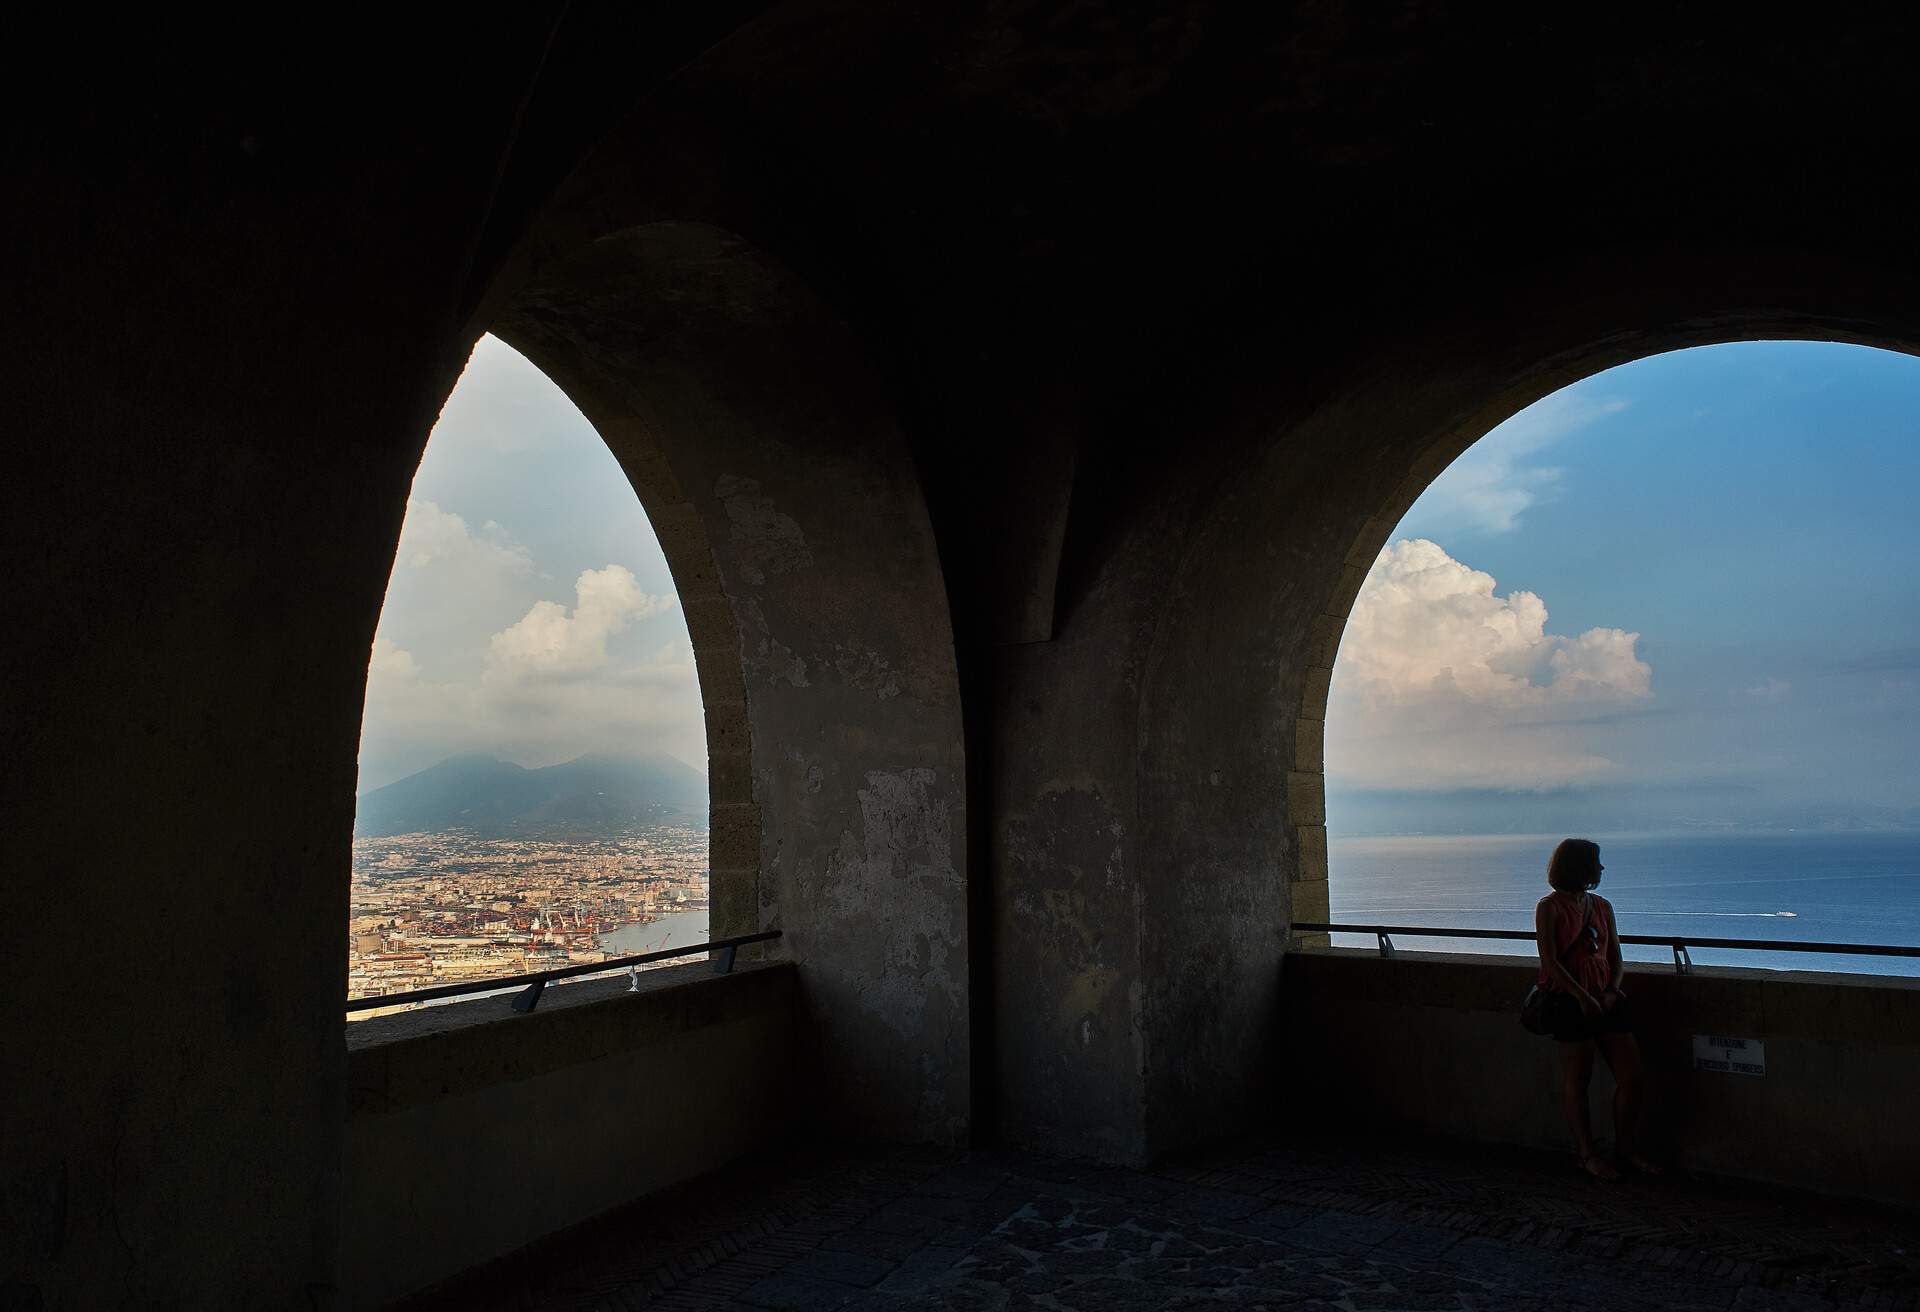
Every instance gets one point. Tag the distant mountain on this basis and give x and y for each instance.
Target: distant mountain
(595, 794)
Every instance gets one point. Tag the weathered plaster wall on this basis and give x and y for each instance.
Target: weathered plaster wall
(694, 352)
(1160, 435)
(1067, 892)
(1170, 347)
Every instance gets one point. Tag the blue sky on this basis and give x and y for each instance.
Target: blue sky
(1745, 510)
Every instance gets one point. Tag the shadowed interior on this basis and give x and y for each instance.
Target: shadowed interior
(1019, 394)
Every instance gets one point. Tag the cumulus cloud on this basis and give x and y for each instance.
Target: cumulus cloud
(430, 535)
(556, 683)
(549, 640)
(391, 662)
(1497, 479)
(1444, 683)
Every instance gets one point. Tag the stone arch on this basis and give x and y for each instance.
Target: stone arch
(763, 449)
(682, 534)
(1233, 701)
(1306, 782)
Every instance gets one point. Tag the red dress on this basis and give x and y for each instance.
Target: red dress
(1591, 963)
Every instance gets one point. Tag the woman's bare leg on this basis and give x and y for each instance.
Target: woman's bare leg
(1576, 1073)
(1629, 1097)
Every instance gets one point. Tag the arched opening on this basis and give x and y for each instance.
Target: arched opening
(746, 420)
(1292, 506)
(746, 417)
(1257, 277)
(532, 756)
(1722, 704)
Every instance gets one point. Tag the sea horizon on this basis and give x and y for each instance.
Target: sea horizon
(1847, 886)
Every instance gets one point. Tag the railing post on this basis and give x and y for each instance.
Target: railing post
(723, 960)
(1386, 944)
(529, 997)
(1682, 962)
(633, 979)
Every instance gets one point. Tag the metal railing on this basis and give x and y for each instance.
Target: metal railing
(536, 982)
(1682, 961)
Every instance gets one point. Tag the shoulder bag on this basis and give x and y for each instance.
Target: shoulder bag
(1534, 1018)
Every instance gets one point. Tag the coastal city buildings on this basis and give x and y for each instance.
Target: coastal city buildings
(445, 908)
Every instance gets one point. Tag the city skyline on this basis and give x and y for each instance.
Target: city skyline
(452, 907)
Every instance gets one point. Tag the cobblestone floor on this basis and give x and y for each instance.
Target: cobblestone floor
(1408, 1225)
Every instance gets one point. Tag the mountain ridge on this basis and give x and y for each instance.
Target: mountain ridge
(599, 793)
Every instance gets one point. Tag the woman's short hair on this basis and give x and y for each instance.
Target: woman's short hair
(1575, 866)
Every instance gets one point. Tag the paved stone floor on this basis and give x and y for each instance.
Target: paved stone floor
(1414, 1225)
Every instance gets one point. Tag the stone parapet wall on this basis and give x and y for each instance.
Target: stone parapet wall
(473, 1135)
(1433, 1041)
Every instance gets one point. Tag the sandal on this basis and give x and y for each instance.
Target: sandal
(1644, 1165)
(1598, 1167)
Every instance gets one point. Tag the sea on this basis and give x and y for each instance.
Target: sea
(676, 929)
(1792, 886)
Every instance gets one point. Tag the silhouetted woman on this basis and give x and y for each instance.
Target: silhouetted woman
(1580, 968)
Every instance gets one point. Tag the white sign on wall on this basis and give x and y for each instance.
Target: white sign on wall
(1714, 1052)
